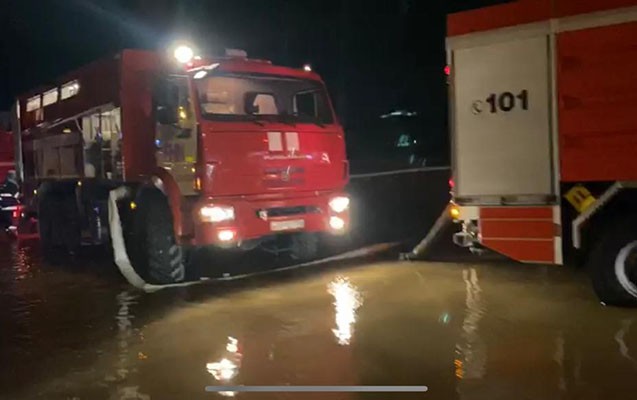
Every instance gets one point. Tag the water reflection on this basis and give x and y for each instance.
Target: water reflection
(471, 351)
(619, 338)
(22, 262)
(127, 363)
(227, 368)
(347, 300)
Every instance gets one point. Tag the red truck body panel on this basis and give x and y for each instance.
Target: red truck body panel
(597, 93)
(6, 153)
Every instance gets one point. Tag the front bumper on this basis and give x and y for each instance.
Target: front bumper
(260, 218)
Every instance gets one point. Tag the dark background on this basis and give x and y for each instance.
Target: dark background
(375, 56)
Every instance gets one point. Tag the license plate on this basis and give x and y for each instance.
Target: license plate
(278, 226)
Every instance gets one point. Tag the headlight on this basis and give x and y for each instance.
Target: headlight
(339, 204)
(337, 223)
(216, 213)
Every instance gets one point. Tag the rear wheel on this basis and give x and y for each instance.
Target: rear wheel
(58, 222)
(613, 264)
(157, 254)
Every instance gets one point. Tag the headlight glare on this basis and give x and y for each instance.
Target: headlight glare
(216, 213)
(339, 204)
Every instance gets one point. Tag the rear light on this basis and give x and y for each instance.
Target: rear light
(452, 184)
(17, 212)
(454, 211)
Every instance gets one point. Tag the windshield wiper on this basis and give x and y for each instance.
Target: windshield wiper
(316, 122)
(256, 119)
(286, 118)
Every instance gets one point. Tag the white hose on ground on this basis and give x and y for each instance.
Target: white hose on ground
(119, 246)
(126, 268)
(425, 244)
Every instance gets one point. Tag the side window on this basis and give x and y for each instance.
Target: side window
(305, 104)
(264, 104)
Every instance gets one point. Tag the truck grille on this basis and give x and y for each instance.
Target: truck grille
(265, 213)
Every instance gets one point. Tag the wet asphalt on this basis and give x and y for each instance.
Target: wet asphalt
(466, 330)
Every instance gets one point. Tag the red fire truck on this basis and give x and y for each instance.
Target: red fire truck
(6, 146)
(229, 152)
(544, 135)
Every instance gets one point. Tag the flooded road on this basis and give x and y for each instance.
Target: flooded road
(467, 331)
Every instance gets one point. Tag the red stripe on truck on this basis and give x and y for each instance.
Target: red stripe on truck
(525, 12)
(522, 233)
(541, 229)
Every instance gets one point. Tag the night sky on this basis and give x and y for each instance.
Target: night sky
(375, 56)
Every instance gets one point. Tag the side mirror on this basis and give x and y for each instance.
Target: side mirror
(166, 115)
(166, 102)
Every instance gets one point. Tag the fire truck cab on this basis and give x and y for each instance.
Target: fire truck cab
(227, 152)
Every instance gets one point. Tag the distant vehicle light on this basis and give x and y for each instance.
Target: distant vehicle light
(184, 54)
(307, 68)
(337, 223)
(339, 204)
(226, 235)
(200, 74)
(216, 213)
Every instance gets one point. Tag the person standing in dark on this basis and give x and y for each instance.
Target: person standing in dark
(10, 184)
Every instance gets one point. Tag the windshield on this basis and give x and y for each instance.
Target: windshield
(249, 97)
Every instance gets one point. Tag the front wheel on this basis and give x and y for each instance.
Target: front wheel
(157, 254)
(613, 264)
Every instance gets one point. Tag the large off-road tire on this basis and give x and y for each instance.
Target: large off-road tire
(613, 264)
(158, 256)
(304, 246)
(58, 223)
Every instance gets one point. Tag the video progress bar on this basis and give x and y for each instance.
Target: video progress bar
(378, 389)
